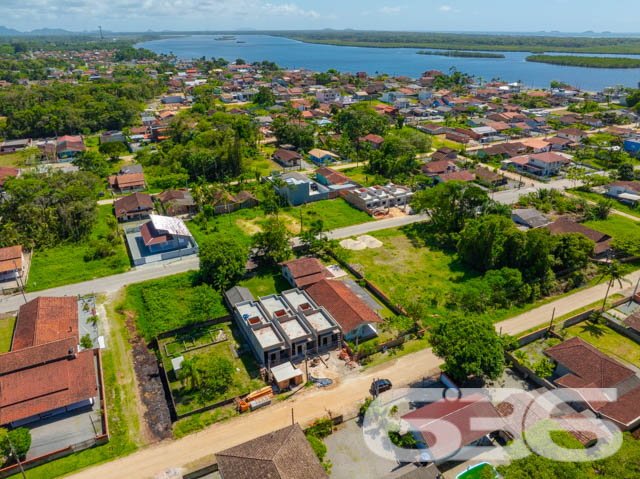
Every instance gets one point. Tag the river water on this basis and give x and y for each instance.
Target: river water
(393, 61)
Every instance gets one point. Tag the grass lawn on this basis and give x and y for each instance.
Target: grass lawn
(247, 372)
(65, 264)
(233, 225)
(608, 341)
(358, 175)
(617, 227)
(172, 302)
(266, 281)
(336, 213)
(6, 333)
(440, 141)
(124, 421)
(478, 472)
(595, 197)
(405, 268)
(409, 347)
(199, 421)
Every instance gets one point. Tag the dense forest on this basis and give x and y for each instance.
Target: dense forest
(588, 62)
(63, 108)
(461, 54)
(449, 41)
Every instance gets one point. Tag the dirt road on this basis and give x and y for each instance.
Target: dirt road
(312, 404)
(343, 397)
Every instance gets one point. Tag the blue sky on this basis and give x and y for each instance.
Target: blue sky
(421, 15)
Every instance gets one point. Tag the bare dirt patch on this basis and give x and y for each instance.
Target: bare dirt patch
(248, 227)
(154, 408)
(292, 224)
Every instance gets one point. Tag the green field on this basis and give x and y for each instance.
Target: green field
(266, 281)
(608, 341)
(172, 302)
(65, 264)
(6, 333)
(335, 213)
(617, 226)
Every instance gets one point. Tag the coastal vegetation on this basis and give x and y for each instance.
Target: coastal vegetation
(586, 62)
(449, 41)
(461, 54)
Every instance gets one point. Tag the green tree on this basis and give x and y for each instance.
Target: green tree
(189, 374)
(20, 439)
(450, 205)
(222, 261)
(85, 341)
(216, 375)
(93, 162)
(469, 346)
(113, 149)
(272, 242)
(264, 97)
(611, 272)
(625, 172)
(359, 120)
(299, 135)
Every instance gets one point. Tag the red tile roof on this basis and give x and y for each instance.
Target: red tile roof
(588, 365)
(128, 180)
(457, 176)
(150, 235)
(137, 202)
(343, 304)
(6, 173)
(46, 319)
(435, 420)
(58, 380)
(565, 225)
(10, 258)
(306, 271)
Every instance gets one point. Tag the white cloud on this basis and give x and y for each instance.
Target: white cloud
(445, 8)
(289, 9)
(391, 10)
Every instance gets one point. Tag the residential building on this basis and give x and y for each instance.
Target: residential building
(375, 141)
(11, 146)
(627, 192)
(177, 202)
(282, 454)
(448, 425)
(164, 233)
(490, 178)
(330, 177)
(463, 175)
(287, 158)
(438, 167)
(565, 225)
(303, 272)
(127, 182)
(136, 206)
(12, 264)
(298, 189)
(328, 95)
(46, 373)
(282, 327)
(541, 164)
(572, 134)
(112, 136)
(68, 147)
(444, 153)
(377, 199)
(355, 318)
(579, 365)
(632, 145)
(322, 157)
(529, 217)
(225, 203)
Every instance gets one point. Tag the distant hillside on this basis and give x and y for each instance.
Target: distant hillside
(10, 32)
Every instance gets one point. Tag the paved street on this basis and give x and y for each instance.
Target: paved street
(110, 284)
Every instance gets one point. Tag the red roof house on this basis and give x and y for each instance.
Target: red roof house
(434, 423)
(344, 305)
(303, 272)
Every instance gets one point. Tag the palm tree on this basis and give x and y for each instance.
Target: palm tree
(189, 373)
(612, 272)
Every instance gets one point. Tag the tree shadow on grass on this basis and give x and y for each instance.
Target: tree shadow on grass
(594, 330)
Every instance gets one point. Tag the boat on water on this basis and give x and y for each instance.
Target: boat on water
(224, 38)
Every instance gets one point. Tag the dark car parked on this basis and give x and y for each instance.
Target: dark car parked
(379, 386)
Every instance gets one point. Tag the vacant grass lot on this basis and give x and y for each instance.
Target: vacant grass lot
(617, 226)
(360, 176)
(608, 341)
(65, 264)
(172, 302)
(246, 377)
(6, 333)
(266, 281)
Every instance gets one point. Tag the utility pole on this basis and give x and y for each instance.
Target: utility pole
(20, 282)
(553, 314)
(635, 290)
(13, 451)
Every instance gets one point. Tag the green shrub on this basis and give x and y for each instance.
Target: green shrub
(320, 429)
(318, 446)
